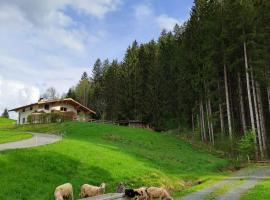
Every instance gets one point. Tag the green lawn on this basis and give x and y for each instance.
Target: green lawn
(8, 135)
(95, 153)
(6, 122)
(11, 136)
(260, 192)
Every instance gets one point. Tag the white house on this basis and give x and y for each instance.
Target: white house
(68, 107)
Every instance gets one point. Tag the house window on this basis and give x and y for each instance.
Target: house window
(23, 120)
(46, 107)
(23, 110)
(31, 108)
(63, 109)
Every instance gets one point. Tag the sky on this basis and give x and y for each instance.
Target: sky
(46, 43)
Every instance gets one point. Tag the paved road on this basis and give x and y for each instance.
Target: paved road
(38, 139)
(249, 177)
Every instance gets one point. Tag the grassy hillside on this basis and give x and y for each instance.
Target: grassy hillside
(10, 135)
(93, 153)
(260, 191)
(6, 122)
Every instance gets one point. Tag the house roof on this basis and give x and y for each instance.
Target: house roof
(67, 100)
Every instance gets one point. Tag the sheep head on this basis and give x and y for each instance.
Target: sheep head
(58, 196)
(102, 187)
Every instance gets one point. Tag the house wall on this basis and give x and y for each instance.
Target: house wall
(22, 117)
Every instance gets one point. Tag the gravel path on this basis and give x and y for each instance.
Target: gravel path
(250, 177)
(38, 139)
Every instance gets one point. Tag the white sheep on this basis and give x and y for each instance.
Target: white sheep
(63, 192)
(90, 190)
(155, 192)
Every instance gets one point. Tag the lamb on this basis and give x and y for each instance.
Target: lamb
(63, 192)
(90, 190)
(131, 193)
(120, 188)
(142, 191)
(155, 192)
(136, 194)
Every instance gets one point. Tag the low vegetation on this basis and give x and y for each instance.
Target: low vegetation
(260, 191)
(7, 135)
(95, 153)
(6, 122)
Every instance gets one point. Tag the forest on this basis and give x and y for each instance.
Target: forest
(210, 75)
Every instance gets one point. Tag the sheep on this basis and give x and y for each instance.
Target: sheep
(90, 190)
(155, 192)
(136, 194)
(63, 192)
(120, 188)
(142, 193)
(131, 193)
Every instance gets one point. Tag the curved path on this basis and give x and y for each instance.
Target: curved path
(38, 139)
(249, 177)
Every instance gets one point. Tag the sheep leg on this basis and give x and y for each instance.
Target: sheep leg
(72, 198)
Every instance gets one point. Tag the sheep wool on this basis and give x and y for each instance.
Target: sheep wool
(90, 190)
(63, 191)
(155, 192)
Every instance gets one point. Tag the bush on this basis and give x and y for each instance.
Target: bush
(246, 145)
(49, 118)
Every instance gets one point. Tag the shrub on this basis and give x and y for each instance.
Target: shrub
(49, 118)
(246, 145)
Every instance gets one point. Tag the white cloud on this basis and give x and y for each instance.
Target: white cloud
(143, 11)
(97, 8)
(44, 23)
(15, 93)
(166, 22)
(146, 15)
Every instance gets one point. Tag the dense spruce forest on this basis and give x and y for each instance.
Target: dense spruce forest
(210, 75)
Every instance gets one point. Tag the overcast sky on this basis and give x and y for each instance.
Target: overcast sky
(51, 42)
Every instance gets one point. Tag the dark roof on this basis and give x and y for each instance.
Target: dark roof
(67, 100)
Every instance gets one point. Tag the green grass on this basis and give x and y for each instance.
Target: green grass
(8, 135)
(11, 136)
(95, 153)
(259, 192)
(6, 122)
(223, 189)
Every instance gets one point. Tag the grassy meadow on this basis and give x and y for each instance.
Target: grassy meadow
(6, 122)
(95, 153)
(6, 135)
(259, 192)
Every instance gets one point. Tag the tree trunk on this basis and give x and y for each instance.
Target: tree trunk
(261, 116)
(211, 123)
(221, 118)
(268, 94)
(251, 113)
(249, 91)
(227, 102)
(242, 107)
(257, 115)
(192, 121)
(222, 129)
(208, 121)
(203, 133)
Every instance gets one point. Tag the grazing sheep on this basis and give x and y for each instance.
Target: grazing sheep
(155, 192)
(136, 194)
(120, 188)
(142, 193)
(63, 192)
(90, 190)
(131, 193)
